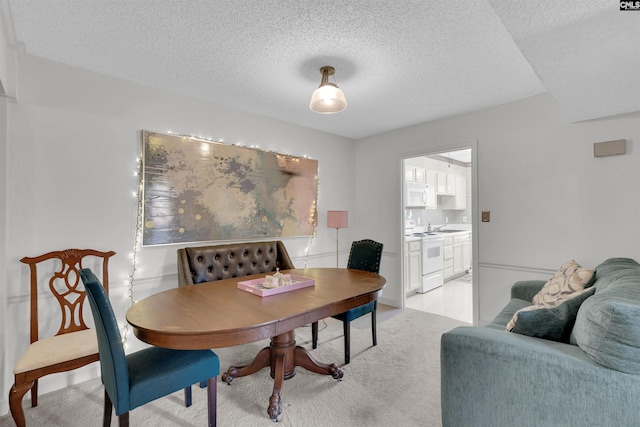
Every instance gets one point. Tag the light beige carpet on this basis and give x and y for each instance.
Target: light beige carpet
(396, 383)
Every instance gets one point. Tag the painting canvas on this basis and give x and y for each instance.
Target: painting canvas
(197, 190)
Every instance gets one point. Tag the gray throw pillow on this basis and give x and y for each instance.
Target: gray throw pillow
(553, 323)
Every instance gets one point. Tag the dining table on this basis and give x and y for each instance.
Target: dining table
(219, 314)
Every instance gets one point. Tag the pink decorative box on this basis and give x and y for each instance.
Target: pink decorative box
(255, 286)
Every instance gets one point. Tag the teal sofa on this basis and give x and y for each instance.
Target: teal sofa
(494, 378)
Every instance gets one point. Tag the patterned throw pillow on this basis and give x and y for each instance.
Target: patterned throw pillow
(569, 278)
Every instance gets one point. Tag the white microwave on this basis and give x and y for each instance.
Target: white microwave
(417, 195)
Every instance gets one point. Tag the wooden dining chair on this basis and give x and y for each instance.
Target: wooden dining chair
(138, 378)
(364, 255)
(74, 345)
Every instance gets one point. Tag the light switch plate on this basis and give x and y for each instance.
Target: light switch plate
(486, 216)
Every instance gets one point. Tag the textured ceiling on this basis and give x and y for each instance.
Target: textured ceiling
(586, 53)
(398, 62)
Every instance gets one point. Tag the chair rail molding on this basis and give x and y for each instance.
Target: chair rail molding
(522, 268)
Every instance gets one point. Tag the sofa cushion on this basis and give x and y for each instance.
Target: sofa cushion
(505, 315)
(569, 278)
(608, 324)
(609, 271)
(553, 323)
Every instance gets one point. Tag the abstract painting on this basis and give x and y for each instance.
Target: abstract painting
(197, 190)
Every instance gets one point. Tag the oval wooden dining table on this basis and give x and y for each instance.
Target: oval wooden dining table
(218, 314)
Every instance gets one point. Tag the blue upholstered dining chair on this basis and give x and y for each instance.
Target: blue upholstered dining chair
(365, 255)
(138, 378)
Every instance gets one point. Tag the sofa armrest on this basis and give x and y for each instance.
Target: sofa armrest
(496, 378)
(526, 289)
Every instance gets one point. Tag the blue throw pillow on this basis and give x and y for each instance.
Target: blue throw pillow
(553, 323)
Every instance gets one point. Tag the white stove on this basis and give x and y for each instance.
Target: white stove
(432, 257)
(432, 263)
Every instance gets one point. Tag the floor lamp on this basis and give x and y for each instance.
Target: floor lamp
(337, 220)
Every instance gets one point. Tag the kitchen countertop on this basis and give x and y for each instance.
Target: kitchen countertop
(412, 238)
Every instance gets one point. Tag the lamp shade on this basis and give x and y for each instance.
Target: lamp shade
(328, 99)
(337, 219)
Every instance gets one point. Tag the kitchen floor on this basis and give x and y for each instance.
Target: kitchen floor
(453, 299)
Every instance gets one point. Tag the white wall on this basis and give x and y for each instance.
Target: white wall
(4, 67)
(70, 174)
(550, 199)
(3, 242)
(6, 106)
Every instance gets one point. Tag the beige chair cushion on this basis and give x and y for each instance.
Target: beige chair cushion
(58, 349)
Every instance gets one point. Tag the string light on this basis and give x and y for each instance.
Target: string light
(315, 226)
(136, 245)
(237, 144)
(308, 248)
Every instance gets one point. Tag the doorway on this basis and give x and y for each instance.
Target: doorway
(438, 209)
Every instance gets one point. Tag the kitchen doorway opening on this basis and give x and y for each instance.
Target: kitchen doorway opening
(438, 217)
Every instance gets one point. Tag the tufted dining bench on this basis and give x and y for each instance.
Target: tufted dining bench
(200, 264)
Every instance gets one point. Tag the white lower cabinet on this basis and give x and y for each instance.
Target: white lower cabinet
(466, 254)
(448, 257)
(413, 266)
(457, 255)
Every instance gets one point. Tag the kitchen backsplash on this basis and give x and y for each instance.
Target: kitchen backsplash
(423, 217)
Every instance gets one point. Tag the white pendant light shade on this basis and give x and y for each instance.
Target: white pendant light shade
(328, 98)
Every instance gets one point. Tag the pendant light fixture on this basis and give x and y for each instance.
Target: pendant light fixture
(328, 98)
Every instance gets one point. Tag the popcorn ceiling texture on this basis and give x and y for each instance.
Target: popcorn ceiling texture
(587, 55)
(399, 63)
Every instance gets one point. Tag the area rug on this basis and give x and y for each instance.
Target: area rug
(396, 383)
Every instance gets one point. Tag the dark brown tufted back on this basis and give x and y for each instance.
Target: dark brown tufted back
(209, 263)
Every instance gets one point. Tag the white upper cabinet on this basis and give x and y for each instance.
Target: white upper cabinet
(446, 183)
(432, 199)
(409, 174)
(434, 184)
(459, 199)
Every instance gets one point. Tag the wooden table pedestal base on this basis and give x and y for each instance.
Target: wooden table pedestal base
(282, 356)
